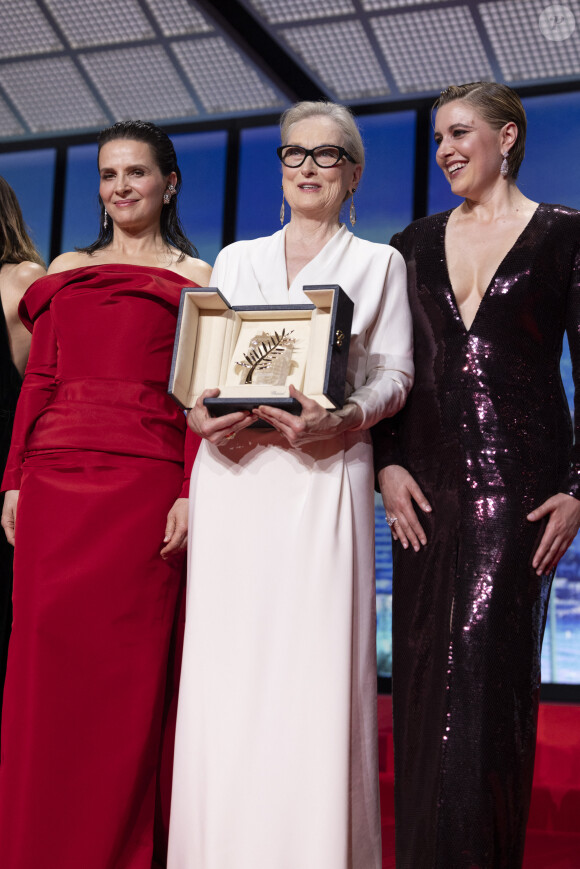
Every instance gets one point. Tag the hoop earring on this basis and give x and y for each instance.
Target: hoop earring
(105, 219)
(352, 209)
(282, 209)
(504, 168)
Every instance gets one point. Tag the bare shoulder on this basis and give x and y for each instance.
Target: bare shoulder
(71, 260)
(26, 273)
(17, 277)
(195, 270)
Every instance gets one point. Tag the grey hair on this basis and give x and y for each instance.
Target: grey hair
(340, 115)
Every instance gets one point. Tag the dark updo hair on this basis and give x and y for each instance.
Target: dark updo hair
(498, 105)
(15, 243)
(163, 152)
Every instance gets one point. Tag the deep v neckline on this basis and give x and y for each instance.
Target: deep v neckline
(449, 285)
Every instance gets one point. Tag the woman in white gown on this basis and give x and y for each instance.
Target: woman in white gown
(276, 751)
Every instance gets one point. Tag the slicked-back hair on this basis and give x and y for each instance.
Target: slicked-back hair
(163, 153)
(498, 105)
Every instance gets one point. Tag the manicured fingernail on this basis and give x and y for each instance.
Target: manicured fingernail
(405, 545)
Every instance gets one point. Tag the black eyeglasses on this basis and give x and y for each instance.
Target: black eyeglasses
(325, 156)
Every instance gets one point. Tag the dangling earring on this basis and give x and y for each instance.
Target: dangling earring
(504, 168)
(282, 209)
(167, 194)
(105, 219)
(352, 210)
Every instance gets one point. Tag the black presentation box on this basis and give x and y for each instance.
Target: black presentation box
(213, 341)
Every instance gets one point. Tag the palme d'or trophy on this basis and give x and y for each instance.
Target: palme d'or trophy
(268, 359)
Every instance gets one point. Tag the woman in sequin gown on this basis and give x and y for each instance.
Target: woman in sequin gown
(20, 264)
(484, 449)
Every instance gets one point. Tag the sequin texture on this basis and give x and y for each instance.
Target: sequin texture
(487, 434)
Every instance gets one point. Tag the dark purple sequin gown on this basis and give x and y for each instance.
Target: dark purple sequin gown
(487, 434)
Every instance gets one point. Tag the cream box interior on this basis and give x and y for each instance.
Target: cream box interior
(212, 342)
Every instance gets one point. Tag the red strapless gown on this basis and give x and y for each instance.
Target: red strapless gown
(98, 456)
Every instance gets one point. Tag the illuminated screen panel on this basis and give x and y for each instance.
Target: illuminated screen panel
(81, 206)
(384, 199)
(548, 174)
(31, 176)
(202, 160)
(259, 183)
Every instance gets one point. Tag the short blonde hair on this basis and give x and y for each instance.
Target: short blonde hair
(498, 105)
(340, 115)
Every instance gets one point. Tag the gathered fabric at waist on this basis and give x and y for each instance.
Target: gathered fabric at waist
(126, 417)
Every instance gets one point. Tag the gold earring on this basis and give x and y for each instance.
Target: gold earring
(352, 210)
(282, 209)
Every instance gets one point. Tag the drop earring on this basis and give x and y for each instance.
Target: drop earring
(352, 209)
(105, 219)
(504, 168)
(282, 209)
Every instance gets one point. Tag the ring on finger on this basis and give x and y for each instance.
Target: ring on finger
(231, 436)
(390, 520)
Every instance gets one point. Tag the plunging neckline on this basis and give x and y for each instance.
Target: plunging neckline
(455, 304)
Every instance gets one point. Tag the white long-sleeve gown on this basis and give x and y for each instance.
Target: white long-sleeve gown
(276, 747)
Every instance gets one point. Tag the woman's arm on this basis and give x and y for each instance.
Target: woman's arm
(563, 509)
(389, 350)
(37, 388)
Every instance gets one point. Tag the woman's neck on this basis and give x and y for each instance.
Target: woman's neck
(304, 240)
(309, 233)
(504, 200)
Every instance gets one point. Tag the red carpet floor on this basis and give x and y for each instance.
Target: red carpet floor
(553, 840)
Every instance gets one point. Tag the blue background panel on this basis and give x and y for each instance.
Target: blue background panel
(31, 176)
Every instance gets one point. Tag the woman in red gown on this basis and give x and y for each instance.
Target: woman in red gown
(96, 504)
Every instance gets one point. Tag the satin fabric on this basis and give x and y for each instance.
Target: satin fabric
(487, 435)
(98, 455)
(276, 746)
